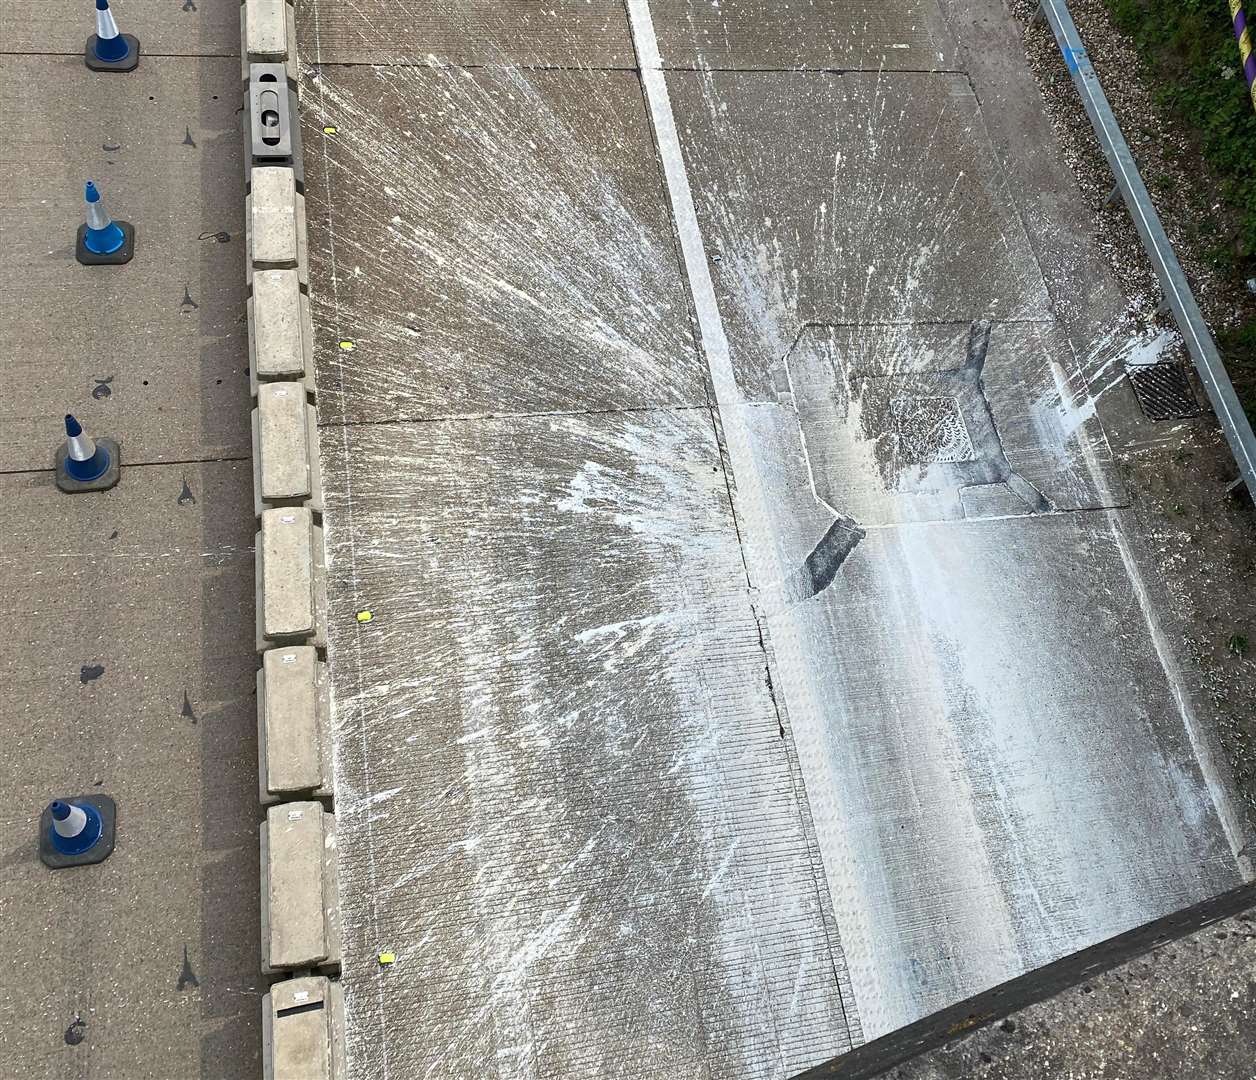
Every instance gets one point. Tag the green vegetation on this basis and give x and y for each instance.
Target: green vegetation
(1189, 47)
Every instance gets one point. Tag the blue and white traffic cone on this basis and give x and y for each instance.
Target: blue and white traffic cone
(107, 50)
(77, 832)
(85, 464)
(101, 240)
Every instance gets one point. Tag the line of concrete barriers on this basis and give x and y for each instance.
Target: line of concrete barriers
(303, 1015)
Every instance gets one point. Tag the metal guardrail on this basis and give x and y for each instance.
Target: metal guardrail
(1177, 292)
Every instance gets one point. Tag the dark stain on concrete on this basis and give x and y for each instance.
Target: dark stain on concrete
(90, 672)
(187, 977)
(827, 556)
(76, 1032)
(186, 711)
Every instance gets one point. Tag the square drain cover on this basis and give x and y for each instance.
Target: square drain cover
(1164, 391)
(930, 430)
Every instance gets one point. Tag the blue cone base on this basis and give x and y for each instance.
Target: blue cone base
(92, 469)
(72, 484)
(87, 837)
(104, 241)
(105, 809)
(87, 257)
(128, 62)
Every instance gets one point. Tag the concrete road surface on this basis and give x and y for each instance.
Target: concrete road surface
(759, 655)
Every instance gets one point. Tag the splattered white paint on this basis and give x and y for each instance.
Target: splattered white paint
(614, 631)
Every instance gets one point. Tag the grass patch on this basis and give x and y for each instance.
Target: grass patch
(1189, 47)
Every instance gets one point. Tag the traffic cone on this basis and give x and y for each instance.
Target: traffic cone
(107, 50)
(76, 832)
(101, 240)
(84, 464)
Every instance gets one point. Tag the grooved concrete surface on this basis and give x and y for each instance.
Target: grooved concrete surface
(711, 737)
(127, 644)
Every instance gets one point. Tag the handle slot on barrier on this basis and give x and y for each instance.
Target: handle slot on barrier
(270, 111)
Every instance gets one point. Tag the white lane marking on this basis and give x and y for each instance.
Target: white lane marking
(751, 504)
(763, 565)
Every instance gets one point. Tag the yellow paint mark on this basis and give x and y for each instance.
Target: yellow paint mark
(365, 616)
(347, 346)
(329, 130)
(387, 958)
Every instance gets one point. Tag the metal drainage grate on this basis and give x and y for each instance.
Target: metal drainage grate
(1164, 390)
(930, 430)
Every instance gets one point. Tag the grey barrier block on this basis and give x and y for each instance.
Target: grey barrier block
(277, 324)
(259, 152)
(300, 901)
(264, 30)
(248, 54)
(301, 266)
(291, 18)
(291, 593)
(272, 219)
(285, 449)
(303, 1030)
(293, 722)
(272, 112)
(307, 340)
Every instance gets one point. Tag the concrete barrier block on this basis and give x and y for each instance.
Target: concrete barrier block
(264, 31)
(291, 19)
(307, 339)
(293, 725)
(303, 1025)
(285, 449)
(273, 219)
(276, 310)
(291, 594)
(258, 153)
(300, 917)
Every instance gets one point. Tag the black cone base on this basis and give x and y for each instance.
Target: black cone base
(114, 258)
(128, 63)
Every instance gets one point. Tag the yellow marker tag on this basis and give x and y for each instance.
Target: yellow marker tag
(348, 346)
(329, 130)
(387, 958)
(365, 616)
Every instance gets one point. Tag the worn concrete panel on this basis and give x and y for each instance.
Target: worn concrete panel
(564, 795)
(863, 198)
(945, 421)
(128, 666)
(152, 353)
(869, 35)
(558, 33)
(170, 28)
(996, 757)
(510, 252)
(999, 771)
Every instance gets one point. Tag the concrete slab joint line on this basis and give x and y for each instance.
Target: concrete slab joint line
(293, 736)
(303, 1030)
(300, 910)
